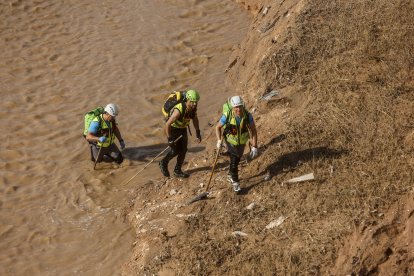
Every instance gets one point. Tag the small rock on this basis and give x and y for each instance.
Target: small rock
(305, 177)
(269, 95)
(173, 192)
(239, 233)
(276, 222)
(251, 206)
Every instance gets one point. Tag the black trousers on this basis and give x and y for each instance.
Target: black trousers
(108, 154)
(179, 149)
(236, 153)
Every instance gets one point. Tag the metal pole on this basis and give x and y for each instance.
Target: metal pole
(152, 160)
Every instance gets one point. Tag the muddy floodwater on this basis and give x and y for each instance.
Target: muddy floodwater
(59, 59)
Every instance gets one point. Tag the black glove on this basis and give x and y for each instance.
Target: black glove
(171, 142)
(198, 135)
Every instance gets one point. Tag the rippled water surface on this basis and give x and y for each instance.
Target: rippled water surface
(61, 58)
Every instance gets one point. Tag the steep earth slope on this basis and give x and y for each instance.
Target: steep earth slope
(341, 76)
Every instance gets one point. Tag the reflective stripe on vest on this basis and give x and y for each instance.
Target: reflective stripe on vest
(237, 134)
(182, 121)
(107, 130)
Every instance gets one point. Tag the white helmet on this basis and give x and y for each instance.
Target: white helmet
(236, 101)
(112, 110)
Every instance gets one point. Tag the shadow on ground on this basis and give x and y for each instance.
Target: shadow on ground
(145, 153)
(289, 161)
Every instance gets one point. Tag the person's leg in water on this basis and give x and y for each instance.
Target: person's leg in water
(95, 150)
(91, 146)
(107, 155)
(115, 154)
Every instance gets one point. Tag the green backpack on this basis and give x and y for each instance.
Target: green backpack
(227, 108)
(90, 116)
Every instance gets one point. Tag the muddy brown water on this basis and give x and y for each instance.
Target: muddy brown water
(59, 59)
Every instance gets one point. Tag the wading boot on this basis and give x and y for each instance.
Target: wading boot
(236, 187)
(164, 168)
(179, 173)
(234, 184)
(92, 158)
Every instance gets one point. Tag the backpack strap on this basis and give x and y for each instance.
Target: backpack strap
(184, 111)
(245, 117)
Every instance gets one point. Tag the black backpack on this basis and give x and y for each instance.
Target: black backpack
(173, 99)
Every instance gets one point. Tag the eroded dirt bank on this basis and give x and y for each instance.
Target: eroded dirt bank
(342, 78)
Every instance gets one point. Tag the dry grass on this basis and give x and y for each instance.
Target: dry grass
(354, 61)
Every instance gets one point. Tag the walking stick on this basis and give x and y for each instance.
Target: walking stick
(205, 194)
(97, 157)
(152, 160)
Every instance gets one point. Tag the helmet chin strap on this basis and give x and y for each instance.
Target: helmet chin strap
(106, 115)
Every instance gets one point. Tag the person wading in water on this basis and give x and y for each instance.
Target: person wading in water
(101, 135)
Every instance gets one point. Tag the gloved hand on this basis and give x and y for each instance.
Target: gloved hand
(122, 144)
(102, 139)
(253, 153)
(171, 142)
(198, 135)
(218, 144)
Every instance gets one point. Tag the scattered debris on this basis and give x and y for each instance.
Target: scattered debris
(267, 177)
(201, 196)
(331, 169)
(251, 206)
(186, 215)
(268, 26)
(239, 233)
(269, 95)
(231, 64)
(301, 178)
(276, 222)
